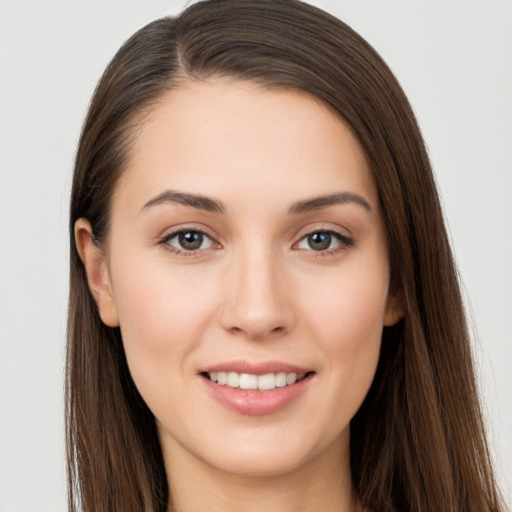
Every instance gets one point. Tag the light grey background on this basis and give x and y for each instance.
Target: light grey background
(454, 60)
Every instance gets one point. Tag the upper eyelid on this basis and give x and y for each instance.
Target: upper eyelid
(323, 227)
(324, 230)
(341, 237)
(172, 232)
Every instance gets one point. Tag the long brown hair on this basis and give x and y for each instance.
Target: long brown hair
(417, 442)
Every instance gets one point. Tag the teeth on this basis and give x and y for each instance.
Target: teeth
(248, 381)
(260, 382)
(291, 378)
(281, 380)
(233, 380)
(266, 382)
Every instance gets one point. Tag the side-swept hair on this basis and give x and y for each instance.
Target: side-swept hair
(417, 442)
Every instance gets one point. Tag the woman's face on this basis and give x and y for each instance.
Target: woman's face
(247, 245)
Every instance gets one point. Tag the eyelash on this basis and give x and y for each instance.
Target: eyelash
(344, 242)
(165, 239)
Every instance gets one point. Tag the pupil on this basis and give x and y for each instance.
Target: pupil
(319, 241)
(190, 240)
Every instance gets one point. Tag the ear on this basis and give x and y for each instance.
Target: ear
(395, 308)
(96, 267)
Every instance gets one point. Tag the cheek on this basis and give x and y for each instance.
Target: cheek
(154, 297)
(347, 322)
(348, 308)
(162, 314)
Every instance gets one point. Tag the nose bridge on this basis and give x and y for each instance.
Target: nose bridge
(257, 302)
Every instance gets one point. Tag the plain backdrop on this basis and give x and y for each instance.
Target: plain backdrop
(454, 59)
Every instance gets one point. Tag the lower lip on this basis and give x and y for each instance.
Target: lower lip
(257, 403)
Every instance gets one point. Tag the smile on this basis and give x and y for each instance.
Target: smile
(257, 388)
(265, 382)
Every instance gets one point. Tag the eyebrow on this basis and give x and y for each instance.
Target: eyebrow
(300, 207)
(192, 200)
(317, 203)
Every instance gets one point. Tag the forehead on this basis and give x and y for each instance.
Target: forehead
(222, 136)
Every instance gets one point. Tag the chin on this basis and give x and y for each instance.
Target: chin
(265, 453)
(259, 465)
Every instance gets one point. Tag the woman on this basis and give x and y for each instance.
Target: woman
(264, 309)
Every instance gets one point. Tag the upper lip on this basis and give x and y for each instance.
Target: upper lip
(256, 368)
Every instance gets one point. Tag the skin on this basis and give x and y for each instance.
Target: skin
(255, 290)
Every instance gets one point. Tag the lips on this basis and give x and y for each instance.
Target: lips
(256, 389)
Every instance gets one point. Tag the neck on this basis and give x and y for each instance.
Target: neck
(322, 483)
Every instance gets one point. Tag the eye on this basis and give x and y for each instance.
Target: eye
(320, 241)
(188, 241)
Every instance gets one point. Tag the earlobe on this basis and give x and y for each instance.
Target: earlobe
(395, 309)
(96, 267)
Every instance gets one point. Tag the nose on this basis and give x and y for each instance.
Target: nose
(258, 302)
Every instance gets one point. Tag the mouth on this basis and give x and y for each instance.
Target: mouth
(249, 381)
(257, 388)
